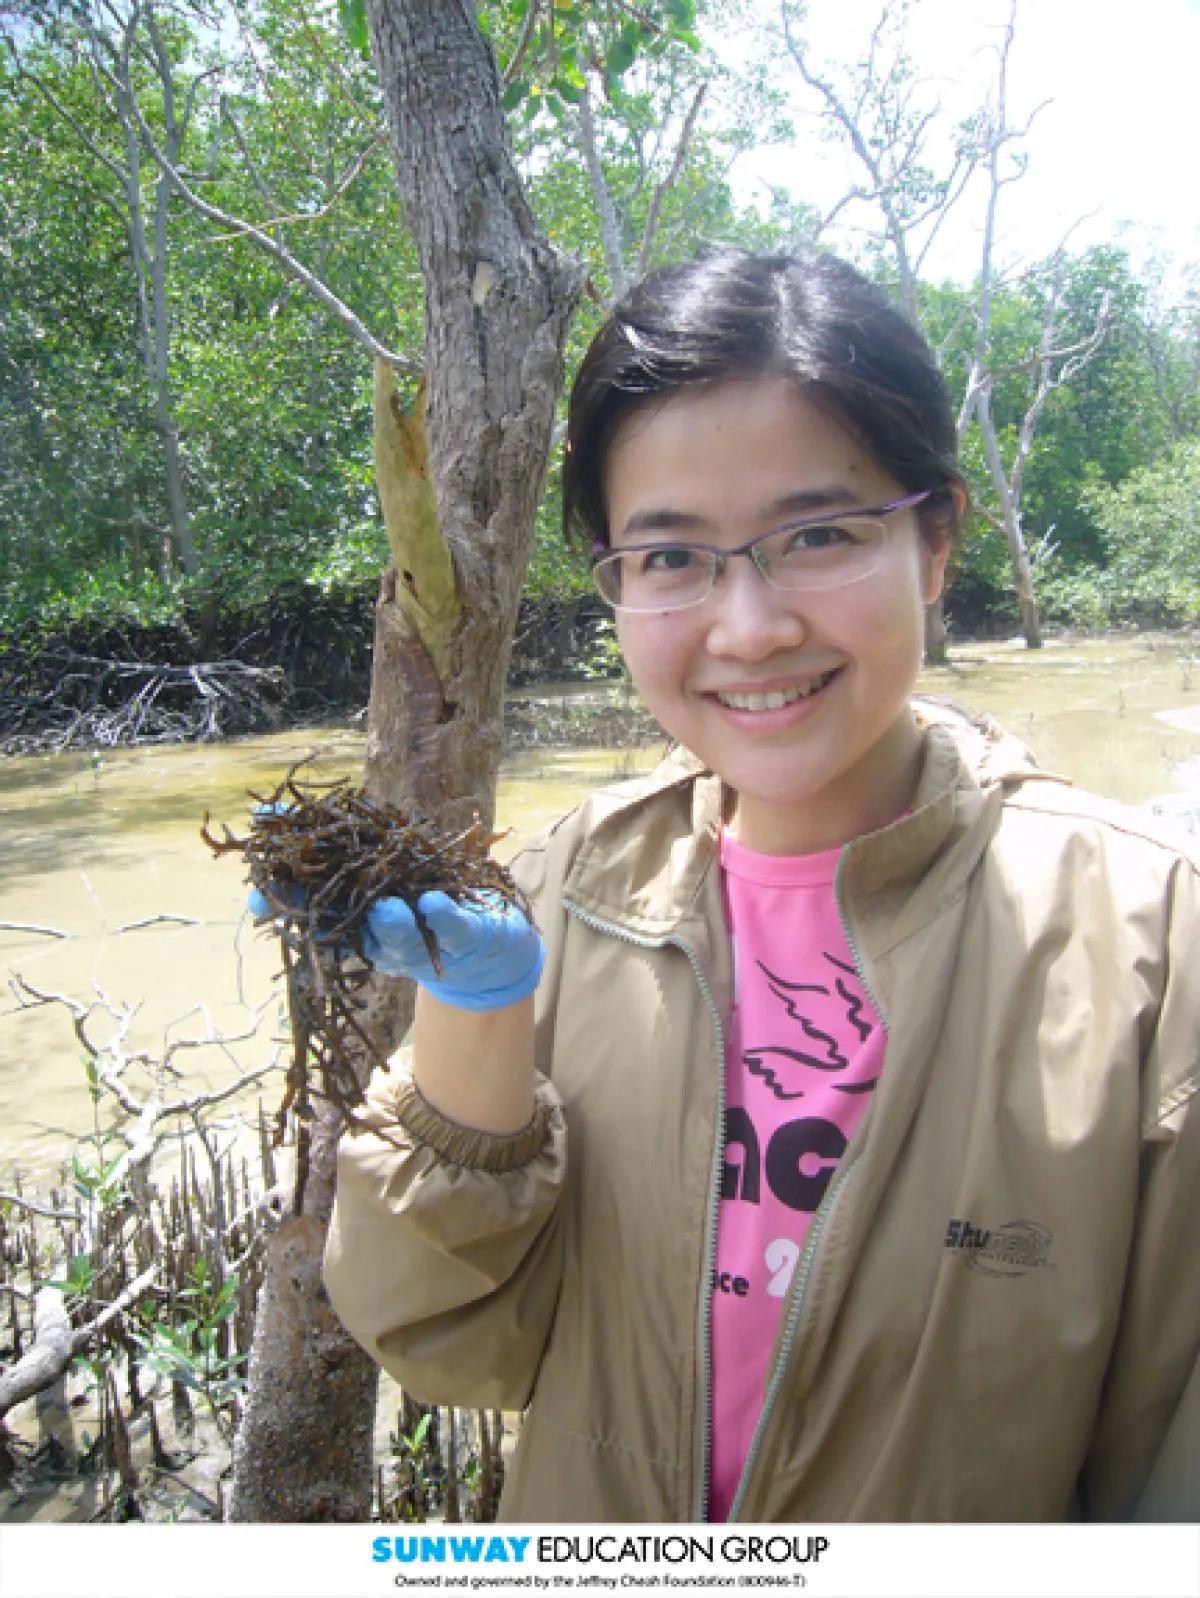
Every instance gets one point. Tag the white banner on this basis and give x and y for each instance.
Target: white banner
(207, 1561)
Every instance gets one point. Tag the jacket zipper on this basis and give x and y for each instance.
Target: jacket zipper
(816, 1228)
(700, 1504)
(798, 1289)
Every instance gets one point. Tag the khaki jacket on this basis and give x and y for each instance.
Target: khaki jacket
(997, 1315)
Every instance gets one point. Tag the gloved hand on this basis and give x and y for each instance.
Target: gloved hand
(491, 955)
(256, 901)
(257, 905)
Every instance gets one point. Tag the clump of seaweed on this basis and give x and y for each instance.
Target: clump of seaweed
(321, 854)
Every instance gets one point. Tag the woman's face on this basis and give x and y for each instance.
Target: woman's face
(718, 466)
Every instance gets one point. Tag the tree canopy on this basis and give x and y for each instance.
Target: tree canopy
(185, 425)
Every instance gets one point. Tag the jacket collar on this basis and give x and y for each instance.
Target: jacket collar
(651, 843)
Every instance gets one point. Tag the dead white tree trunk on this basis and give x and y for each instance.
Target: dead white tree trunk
(112, 53)
(606, 211)
(887, 116)
(108, 40)
(1055, 365)
(613, 228)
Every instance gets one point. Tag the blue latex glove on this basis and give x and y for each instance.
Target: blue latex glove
(258, 907)
(491, 955)
(256, 902)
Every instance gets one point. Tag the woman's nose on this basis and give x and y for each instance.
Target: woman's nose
(750, 619)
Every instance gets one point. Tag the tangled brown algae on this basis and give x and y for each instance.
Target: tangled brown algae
(321, 854)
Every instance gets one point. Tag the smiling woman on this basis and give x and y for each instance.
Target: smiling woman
(828, 1000)
(797, 695)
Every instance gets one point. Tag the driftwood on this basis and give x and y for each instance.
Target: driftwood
(56, 1341)
(67, 700)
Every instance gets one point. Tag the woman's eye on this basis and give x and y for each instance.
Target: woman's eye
(669, 559)
(825, 536)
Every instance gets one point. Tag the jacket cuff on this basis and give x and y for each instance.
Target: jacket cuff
(467, 1145)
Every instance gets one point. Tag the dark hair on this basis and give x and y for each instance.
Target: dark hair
(734, 315)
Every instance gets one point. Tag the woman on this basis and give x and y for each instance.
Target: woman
(831, 1152)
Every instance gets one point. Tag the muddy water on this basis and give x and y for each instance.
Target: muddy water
(90, 850)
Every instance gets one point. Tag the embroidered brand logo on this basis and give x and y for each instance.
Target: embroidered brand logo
(1008, 1250)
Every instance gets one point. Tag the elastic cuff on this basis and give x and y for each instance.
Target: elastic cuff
(468, 1145)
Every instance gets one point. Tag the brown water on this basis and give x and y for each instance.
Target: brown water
(88, 850)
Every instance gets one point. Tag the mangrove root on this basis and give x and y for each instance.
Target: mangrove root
(321, 854)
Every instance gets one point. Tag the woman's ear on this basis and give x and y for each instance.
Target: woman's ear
(935, 552)
(938, 533)
(957, 490)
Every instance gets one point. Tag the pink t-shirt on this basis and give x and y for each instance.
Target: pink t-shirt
(804, 1050)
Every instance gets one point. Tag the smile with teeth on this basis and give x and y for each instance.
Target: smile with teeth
(777, 698)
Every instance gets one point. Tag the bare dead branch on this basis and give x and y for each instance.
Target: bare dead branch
(24, 1203)
(56, 1342)
(835, 210)
(228, 119)
(167, 918)
(938, 210)
(32, 926)
(672, 177)
(340, 188)
(205, 1101)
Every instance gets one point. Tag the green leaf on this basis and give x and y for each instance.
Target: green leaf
(79, 1276)
(353, 16)
(620, 58)
(515, 93)
(682, 14)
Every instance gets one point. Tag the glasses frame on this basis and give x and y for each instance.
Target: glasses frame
(603, 553)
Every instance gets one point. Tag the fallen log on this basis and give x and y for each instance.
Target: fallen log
(56, 1341)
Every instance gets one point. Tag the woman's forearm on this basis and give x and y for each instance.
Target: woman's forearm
(475, 1067)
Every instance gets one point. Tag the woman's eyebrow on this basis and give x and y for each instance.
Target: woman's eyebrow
(832, 496)
(661, 519)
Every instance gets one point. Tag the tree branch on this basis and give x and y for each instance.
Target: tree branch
(23, 1203)
(55, 1342)
(522, 45)
(283, 256)
(602, 199)
(672, 176)
(343, 184)
(85, 139)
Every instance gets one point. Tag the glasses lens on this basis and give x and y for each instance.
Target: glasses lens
(822, 555)
(665, 578)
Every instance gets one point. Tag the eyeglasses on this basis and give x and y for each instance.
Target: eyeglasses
(816, 553)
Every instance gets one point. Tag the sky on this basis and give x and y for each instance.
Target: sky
(1116, 150)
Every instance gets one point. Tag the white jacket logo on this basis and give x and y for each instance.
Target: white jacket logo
(1008, 1250)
